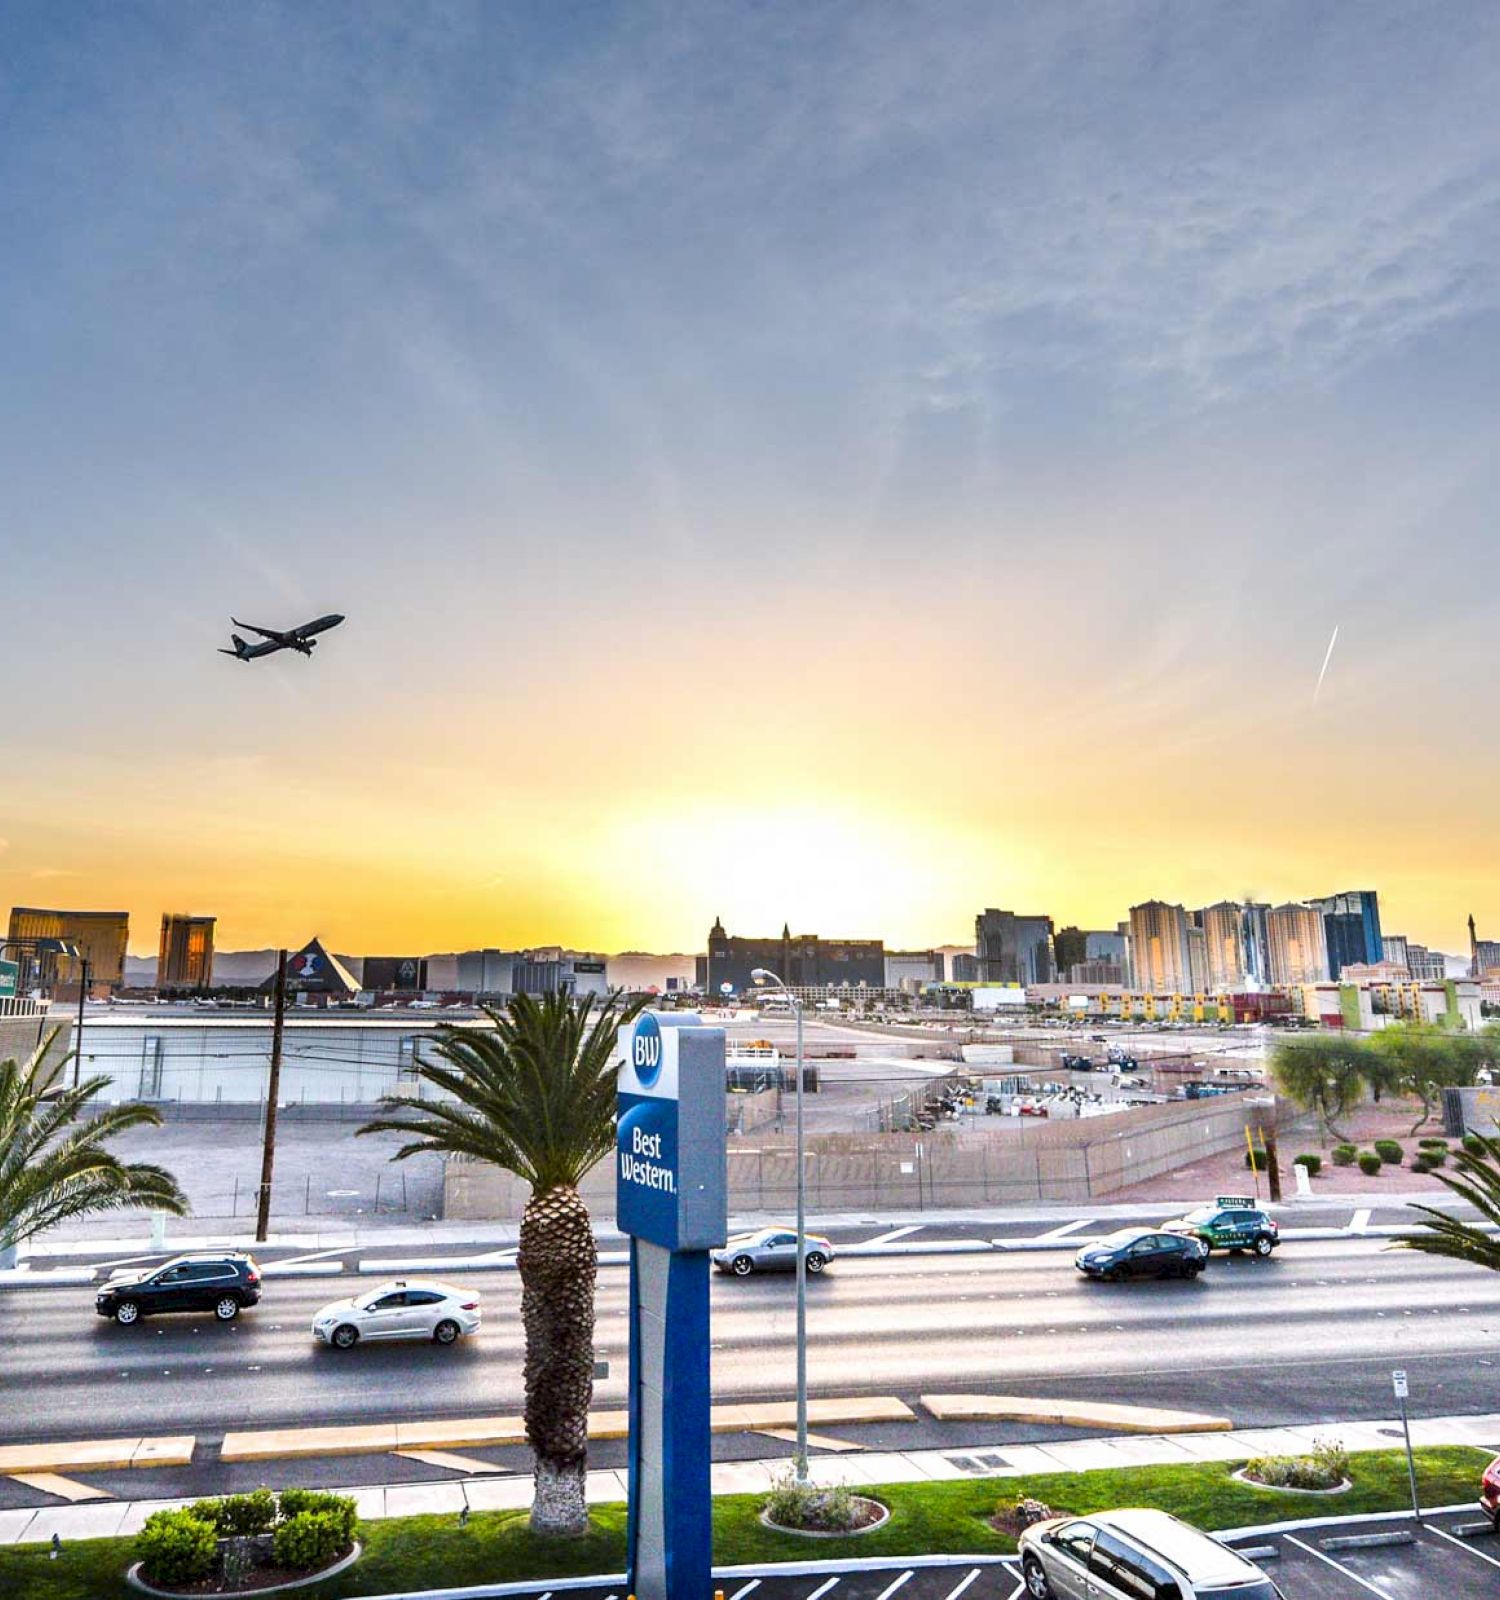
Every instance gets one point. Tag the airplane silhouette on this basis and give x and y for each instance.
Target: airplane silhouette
(299, 639)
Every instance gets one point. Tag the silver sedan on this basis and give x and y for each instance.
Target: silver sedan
(406, 1309)
(772, 1250)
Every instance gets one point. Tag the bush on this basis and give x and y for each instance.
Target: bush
(1256, 1160)
(1433, 1144)
(1026, 1511)
(1473, 1144)
(1343, 1155)
(1434, 1158)
(1389, 1151)
(1324, 1467)
(807, 1506)
(1313, 1163)
(1369, 1163)
(311, 1539)
(238, 1515)
(177, 1546)
(340, 1507)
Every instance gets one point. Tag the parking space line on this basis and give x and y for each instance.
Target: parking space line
(1463, 1544)
(954, 1593)
(744, 1589)
(891, 1588)
(1338, 1566)
(1018, 1591)
(823, 1588)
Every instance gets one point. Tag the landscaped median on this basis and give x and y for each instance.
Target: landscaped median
(933, 1518)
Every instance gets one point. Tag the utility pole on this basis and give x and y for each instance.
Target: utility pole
(83, 989)
(268, 1152)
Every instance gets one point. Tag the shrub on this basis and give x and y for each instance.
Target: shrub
(310, 1539)
(1256, 1160)
(1433, 1143)
(806, 1505)
(237, 1515)
(341, 1507)
(1421, 1162)
(1343, 1155)
(1369, 1163)
(1313, 1163)
(1026, 1511)
(1434, 1158)
(1473, 1144)
(1325, 1466)
(1389, 1151)
(177, 1546)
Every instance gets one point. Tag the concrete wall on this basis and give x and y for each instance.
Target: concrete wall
(19, 1036)
(1062, 1161)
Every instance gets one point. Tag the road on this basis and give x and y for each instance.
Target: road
(1312, 1333)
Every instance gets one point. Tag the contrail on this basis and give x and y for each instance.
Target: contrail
(1326, 659)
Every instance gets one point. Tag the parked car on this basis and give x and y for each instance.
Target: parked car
(222, 1281)
(1142, 1253)
(1231, 1223)
(406, 1309)
(772, 1250)
(1489, 1492)
(1123, 1555)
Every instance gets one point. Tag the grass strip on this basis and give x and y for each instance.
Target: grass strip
(406, 1553)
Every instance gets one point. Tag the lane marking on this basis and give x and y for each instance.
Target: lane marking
(1064, 1231)
(822, 1589)
(744, 1589)
(1462, 1545)
(891, 1588)
(64, 1488)
(896, 1233)
(451, 1462)
(954, 1593)
(1338, 1566)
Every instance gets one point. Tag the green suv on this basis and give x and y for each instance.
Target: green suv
(1232, 1223)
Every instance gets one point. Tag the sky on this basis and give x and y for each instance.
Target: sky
(848, 464)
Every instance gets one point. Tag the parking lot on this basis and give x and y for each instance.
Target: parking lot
(1316, 1564)
(1432, 1563)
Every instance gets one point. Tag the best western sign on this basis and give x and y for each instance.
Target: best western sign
(670, 1149)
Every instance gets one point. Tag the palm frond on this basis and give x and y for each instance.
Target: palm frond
(1475, 1181)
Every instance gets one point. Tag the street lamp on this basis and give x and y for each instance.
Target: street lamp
(763, 975)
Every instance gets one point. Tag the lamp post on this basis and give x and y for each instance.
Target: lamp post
(762, 975)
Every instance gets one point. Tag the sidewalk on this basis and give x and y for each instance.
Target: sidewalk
(512, 1491)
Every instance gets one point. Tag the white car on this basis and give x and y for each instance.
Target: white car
(406, 1309)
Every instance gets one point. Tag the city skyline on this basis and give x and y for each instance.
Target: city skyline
(843, 466)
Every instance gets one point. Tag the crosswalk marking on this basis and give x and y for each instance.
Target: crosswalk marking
(891, 1588)
(954, 1593)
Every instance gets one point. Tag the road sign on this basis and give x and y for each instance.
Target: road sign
(10, 978)
(1398, 1380)
(671, 1197)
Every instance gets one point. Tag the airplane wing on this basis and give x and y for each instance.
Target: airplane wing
(265, 633)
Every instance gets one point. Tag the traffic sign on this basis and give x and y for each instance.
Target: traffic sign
(1398, 1380)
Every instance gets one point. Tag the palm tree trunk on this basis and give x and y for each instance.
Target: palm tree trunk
(559, 1265)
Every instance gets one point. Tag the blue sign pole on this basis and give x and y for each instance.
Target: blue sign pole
(671, 1198)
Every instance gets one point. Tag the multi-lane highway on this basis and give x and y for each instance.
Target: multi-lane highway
(1311, 1333)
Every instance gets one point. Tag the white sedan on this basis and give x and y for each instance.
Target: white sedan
(406, 1309)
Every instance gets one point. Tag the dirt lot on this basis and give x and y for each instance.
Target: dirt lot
(1227, 1174)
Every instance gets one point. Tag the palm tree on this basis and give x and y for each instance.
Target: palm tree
(1476, 1180)
(54, 1163)
(535, 1096)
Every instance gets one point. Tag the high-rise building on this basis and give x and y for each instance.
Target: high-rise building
(965, 967)
(1395, 950)
(1425, 966)
(1351, 929)
(1298, 945)
(1486, 956)
(101, 938)
(1197, 948)
(1160, 962)
(1013, 949)
(185, 956)
(1224, 941)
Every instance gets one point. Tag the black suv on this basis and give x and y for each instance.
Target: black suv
(221, 1282)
